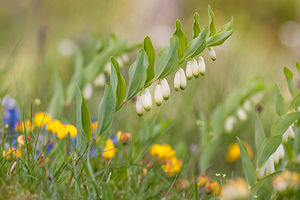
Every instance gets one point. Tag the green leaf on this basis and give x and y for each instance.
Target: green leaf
(83, 123)
(57, 102)
(227, 26)
(289, 78)
(282, 124)
(211, 19)
(218, 38)
(208, 152)
(295, 103)
(167, 59)
(106, 109)
(196, 26)
(150, 51)
(268, 147)
(247, 164)
(137, 74)
(197, 45)
(279, 102)
(298, 67)
(182, 39)
(117, 82)
(259, 133)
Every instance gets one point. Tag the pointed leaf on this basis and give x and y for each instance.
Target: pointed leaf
(150, 51)
(289, 78)
(259, 133)
(197, 45)
(106, 109)
(83, 123)
(182, 39)
(227, 26)
(137, 74)
(196, 26)
(218, 38)
(279, 102)
(117, 81)
(295, 103)
(211, 19)
(282, 124)
(167, 59)
(268, 147)
(247, 164)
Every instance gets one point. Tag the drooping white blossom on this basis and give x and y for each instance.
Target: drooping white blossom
(189, 70)
(100, 80)
(182, 79)
(201, 66)
(146, 99)
(165, 89)
(212, 53)
(229, 124)
(177, 81)
(289, 133)
(158, 96)
(139, 106)
(241, 113)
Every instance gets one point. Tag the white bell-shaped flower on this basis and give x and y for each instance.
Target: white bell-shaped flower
(195, 67)
(261, 172)
(289, 133)
(229, 124)
(139, 105)
(270, 167)
(212, 53)
(100, 80)
(241, 113)
(247, 105)
(280, 151)
(158, 96)
(189, 70)
(146, 99)
(165, 89)
(182, 79)
(177, 81)
(87, 91)
(201, 66)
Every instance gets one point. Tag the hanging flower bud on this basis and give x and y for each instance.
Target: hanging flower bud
(165, 89)
(182, 79)
(280, 151)
(158, 96)
(261, 172)
(229, 124)
(146, 99)
(275, 157)
(87, 91)
(100, 80)
(195, 67)
(201, 67)
(242, 115)
(139, 106)
(177, 81)
(212, 53)
(270, 168)
(289, 133)
(189, 70)
(247, 105)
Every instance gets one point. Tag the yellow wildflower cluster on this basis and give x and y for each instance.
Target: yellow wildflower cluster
(54, 126)
(171, 164)
(12, 153)
(109, 149)
(210, 186)
(164, 151)
(21, 127)
(234, 154)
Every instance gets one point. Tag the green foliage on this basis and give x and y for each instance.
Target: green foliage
(268, 147)
(117, 82)
(279, 102)
(150, 51)
(282, 124)
(196, 26)
(182, 39)
(289, 78)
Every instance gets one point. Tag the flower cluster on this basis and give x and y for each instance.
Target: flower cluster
(212, 187)
(285, 181)
(171, 165)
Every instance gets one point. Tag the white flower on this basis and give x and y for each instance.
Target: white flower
(212, 53)
(139, 106)
(289, 133)
(146, 99)
(278, 154)
(189, 70)
(158, 96)
(66, 47)
(242, 115)
(107, 68)
(229, 123)
(201, 65)
(182, 79)
(261, 172)
(270, 168)
(247, 105)
(100, 80)
(87, 91)
(165, 89)
(257, 97)
(195, 67)
(177, 81)
(120, 61)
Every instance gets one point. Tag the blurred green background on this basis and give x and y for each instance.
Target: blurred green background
(266, 38)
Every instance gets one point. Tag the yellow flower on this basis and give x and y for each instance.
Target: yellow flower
(94, 126)
(162, 151)
(213, 187)
(109, 149)
(123, 137)
(172, 166)
(40, 118)
(234, 154)
(62, 133)
(202, 180)
(23, 126)
(12, 153)
(69, 128)
(54, 126)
